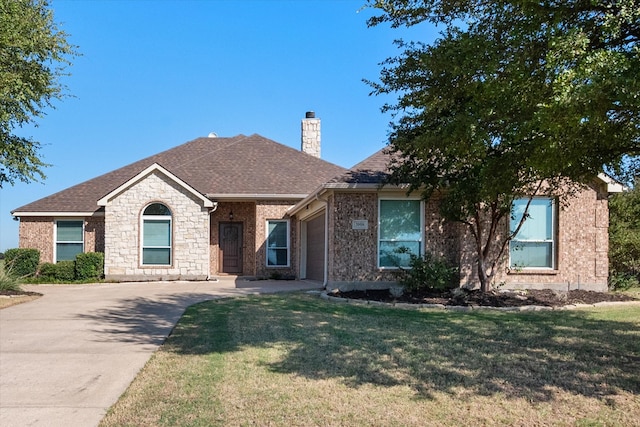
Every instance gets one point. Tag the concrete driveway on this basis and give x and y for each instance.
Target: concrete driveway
(67, 357)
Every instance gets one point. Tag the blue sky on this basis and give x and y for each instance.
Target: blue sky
(156, 74)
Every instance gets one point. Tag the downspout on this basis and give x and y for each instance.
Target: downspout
(215, 207)
(326, 239)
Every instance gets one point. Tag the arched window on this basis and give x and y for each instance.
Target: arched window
(156, 235)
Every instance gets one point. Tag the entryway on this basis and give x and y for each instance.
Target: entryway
(231, 247)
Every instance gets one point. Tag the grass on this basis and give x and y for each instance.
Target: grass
(297, 360)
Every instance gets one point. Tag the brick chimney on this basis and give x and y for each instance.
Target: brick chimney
(310, 136)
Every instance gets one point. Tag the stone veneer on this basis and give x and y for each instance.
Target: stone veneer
(190, 232)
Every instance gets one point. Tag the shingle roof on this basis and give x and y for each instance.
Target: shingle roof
(238, 165)
(372, 170)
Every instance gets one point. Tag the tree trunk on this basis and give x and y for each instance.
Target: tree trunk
(485, 281)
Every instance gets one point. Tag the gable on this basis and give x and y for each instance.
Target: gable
(155, 168)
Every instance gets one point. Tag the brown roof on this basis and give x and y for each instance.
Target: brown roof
(238, 165)
(372, 170)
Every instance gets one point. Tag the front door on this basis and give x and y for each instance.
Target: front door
(231, 247)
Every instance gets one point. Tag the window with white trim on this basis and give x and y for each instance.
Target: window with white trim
(69, 239)
(277, 243)
(156, 235)
(534, 245)
(400, 234)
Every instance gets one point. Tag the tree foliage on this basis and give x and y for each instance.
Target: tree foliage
(624, 234)
(512, 93)
(33, 56)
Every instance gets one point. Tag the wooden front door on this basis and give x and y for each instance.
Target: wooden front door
(231, 247)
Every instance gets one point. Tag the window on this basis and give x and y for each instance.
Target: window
(534, 245)
(156, 235)
(277, 243)
(400, 226)
(69, 239)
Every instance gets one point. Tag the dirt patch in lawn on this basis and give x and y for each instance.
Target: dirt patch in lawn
(460, 297)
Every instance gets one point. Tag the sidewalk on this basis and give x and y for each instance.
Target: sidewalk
(66, 357)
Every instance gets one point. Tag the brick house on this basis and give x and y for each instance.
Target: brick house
(250, 206)
(208, 207)
(364, 222)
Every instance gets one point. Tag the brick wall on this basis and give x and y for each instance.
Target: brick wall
(253, 216)
(39, 233)
(245, 213)
(582, 247)
(190, 232)
(582, 244)
(353, 254)
(274, 209)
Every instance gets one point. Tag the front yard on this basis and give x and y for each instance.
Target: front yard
(297, 360)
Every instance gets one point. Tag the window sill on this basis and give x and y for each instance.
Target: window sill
(538, 271)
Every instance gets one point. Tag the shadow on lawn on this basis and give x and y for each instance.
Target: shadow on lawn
(482, 353)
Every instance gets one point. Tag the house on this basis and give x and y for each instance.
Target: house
(366, 222)
(208, 207)
(249, 206)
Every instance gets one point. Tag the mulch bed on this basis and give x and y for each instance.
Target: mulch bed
(18, 293)
(545, 297)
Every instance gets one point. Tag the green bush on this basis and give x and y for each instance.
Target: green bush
(65, 271)
(623, 281)
(47, 271)
(428, 273)
(89, 265)
(22, 262)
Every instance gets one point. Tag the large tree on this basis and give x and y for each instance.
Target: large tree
(624, 236)
(33, 57)
(514, 99)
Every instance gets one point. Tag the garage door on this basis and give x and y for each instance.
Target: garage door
(315, 248)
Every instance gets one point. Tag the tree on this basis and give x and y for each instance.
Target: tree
(33, 56)
(515, 99)
(624, 236)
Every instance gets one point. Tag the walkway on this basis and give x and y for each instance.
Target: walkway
(66, 357)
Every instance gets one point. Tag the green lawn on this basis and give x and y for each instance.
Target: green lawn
(297, 360)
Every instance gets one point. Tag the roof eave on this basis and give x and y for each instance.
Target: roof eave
(613, 186)
(56, 213)
(356, 186)
(253, 196)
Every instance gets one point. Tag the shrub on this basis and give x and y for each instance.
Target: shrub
(89, 265)
(65, 270)
(623, 281)
(8, 282)
(22, 262)
(428, 273)
(47, 271)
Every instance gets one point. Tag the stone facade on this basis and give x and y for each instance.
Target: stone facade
(310, 135)
(190, 232)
